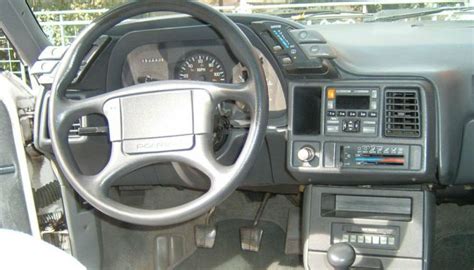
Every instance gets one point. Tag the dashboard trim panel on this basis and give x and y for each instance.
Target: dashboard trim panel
(338, 174)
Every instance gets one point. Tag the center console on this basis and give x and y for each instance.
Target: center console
(379, 131)
(386, 229)
(364, 136)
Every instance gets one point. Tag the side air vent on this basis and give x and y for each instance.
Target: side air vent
(402, 113)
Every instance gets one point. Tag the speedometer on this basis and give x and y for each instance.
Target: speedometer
(201, 66)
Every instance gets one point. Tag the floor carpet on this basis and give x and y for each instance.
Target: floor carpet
(454, 237)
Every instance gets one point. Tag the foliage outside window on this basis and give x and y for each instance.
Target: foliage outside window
(9, 59)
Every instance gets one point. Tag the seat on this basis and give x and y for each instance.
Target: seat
(22, 251)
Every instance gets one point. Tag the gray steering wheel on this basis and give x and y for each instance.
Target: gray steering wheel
(164, 121)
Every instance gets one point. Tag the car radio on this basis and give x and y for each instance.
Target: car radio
(351, 111)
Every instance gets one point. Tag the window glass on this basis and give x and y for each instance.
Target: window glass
(9, 59)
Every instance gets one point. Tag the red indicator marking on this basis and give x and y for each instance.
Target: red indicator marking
(393, 160)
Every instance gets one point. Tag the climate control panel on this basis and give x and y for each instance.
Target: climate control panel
(363, 156)
(356, 156)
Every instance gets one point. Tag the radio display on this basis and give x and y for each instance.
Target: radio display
(349, 102)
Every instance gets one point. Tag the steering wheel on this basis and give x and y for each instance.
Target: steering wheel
(164, 121)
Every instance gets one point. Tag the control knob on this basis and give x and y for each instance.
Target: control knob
(341, 256)
(306, 154)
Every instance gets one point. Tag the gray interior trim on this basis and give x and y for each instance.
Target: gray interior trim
(12, 87)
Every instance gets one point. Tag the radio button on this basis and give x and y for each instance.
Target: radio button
(369, 122)
(352, 114)
(341, 113)
(375, 240)
(333, 129)
(383, 240)
(373, 105)
(331, 113)
(374, 94)
(345, 238)
(331, 93)
(391, 241)
(368, 239)
(362, 114)
(368, 130)
(353, 238)
(331, 104)
(372, 114)
(351, 125)
(356, 125)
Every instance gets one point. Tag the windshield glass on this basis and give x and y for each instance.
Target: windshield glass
(63, 19)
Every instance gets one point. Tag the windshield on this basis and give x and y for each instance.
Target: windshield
(63, 19)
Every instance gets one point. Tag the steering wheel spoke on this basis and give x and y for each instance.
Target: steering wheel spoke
(243, 92)
(120, 164)
(68, 111)
(202, 158)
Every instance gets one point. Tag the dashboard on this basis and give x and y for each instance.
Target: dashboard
(349, 104)
(372, 119)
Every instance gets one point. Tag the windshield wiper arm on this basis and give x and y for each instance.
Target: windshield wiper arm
(388, 16)
(323, 13)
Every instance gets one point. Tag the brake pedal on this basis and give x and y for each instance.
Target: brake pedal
(205, 234)
(251, 237)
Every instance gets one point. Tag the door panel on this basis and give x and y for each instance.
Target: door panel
(17, 210)
(13, 211)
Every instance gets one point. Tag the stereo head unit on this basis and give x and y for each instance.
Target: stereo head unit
(351, 111)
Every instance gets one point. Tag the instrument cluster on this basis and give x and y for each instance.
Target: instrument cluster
(156, 62)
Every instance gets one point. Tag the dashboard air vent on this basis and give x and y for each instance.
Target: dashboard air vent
(402, 113)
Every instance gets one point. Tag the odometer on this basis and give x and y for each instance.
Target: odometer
(201, 66)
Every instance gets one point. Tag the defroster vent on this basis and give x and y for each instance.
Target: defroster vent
(402, 113)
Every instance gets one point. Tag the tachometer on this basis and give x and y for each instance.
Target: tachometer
(201, 66)
(144, 64)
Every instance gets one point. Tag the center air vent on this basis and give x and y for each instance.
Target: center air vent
(402, 113)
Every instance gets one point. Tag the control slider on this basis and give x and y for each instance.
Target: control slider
(397, 160)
